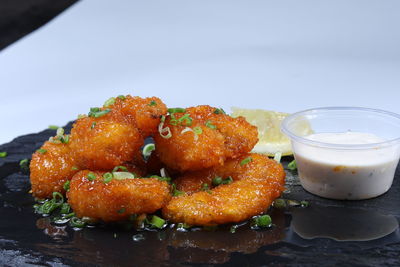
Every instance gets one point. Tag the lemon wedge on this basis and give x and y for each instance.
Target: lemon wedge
(271, 140)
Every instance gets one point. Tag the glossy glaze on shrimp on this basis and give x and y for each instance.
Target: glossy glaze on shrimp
(113, 135)
(257, 181)
(201, 137)
(51, 166)
(92, 196)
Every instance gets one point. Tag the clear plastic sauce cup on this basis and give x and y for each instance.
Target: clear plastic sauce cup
(352, 152)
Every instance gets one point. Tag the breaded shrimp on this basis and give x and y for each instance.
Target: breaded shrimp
(113, 135)
(92, 196)
(51, 166)
(201, 137)
(257, 181)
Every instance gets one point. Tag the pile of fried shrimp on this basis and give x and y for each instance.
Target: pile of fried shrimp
(201, 171)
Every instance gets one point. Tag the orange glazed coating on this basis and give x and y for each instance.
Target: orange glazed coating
(256, 184)
(218, 137)
(51, 169)
(100, 143)
(117, 199)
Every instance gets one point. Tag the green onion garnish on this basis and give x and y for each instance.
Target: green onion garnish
(91, 176)
(157, 222)
(176, 192)
(292, 165)
(205, 187)
(77, 223)
(122, 168)
(59, 196)
(278, 156)
(210, 125)
(50, 205)
(166, 179)
(245, 161)
(279, 203)
(304, 204)
(122, 97)
(53, 127)
(93, 125)
(219, 111)
(60, 131)
(176, 110)
(97, 112)
(123, 175)
(66, 185)
(107, 177)
(183, 227)
(197, 130)
(233, 228)
(263, 221)
(24, 164)
(152, 103)
(122, 210)
(109, 102)
(147, 149)
(65, 208)
(41, 151)
(74, 168)
(3, 154)
(218, 181)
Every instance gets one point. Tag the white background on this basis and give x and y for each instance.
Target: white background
(275, 55)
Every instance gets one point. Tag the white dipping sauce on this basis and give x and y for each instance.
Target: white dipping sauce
(346, 173)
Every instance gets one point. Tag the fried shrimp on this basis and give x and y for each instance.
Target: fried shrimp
(113, 135)
(201, 137)
(92, 195)
(257, 181)
(51, 166)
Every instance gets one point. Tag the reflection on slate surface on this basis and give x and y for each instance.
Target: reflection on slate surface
(26, 237)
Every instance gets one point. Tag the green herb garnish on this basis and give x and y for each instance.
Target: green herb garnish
(245, 161)
(292, 165)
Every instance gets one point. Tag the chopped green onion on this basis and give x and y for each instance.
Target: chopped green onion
(304, 203)
(77, 223)
(109, 102)
(292, 165)
(293, 203)
(41, 151)
(122, 97)
(279, 203)
(138, 237)
(233, 228)
(58, 195)
(3, 154)
(91, 176)
(164, 132)
(123, 175)
(122, 168)
(278, 156)
(24, 164)
(183, 227)
(219, 111)
(162, 118)
(60, 131)
(147, 149)
(53, 127)
(96, 112)
(107, 177)
(197, 130)
(153, 103)
(65, 208)
(210, 125)
(263, 221)
(93, 125)
(122, 210)
(218, 180)
(157, 222)
(74, 168)
(187, 119)
(245, 161)
(176, 192)
(66, 185)
(176, 110)
(205, 187)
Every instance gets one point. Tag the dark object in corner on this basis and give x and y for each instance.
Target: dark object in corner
(18, 18)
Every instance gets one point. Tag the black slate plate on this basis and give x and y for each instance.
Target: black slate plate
(28, 239)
